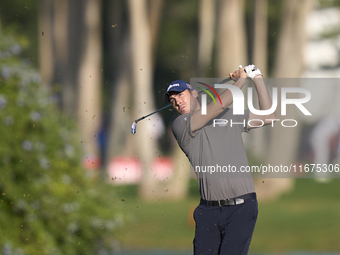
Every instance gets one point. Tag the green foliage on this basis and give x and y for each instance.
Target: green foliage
(22, 16)
(48, 204)
(327, 4)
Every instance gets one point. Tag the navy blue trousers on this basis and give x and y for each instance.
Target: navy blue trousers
(225, 230)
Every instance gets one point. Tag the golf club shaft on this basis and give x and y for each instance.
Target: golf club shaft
(152, 113)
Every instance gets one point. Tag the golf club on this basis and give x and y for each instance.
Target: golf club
(134, 124)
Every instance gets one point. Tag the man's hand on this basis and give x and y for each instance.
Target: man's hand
(252, 71)
(240, 73)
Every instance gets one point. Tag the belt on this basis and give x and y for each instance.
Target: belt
(229, 201)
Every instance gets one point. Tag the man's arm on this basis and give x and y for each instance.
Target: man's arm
(198, 120)
(265, 103)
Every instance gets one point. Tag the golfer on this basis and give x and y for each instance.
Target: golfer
(227, 213)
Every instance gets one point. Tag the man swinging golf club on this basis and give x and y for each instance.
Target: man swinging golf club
(227, 213)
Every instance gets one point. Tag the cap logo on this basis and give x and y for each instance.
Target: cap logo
(172, 85)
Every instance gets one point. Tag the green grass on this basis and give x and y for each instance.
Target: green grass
(157, 225)
(305, 219)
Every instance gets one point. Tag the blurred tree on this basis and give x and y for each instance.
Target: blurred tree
(142, 87)
(145, 147)
(292, 38)
(73, 48)
(22, 16)
(90, 79)
(48, 204)
(260, 35)
(156, 7)
(120, 141)
(231, 34)
(60, 33)
(284, 142)
(207, 20)
(62, 28)
(259, 58)
(45, 35)
(119, 45)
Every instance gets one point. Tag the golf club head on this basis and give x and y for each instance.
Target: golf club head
(134, 127)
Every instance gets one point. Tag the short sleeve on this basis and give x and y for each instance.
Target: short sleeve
(181, 130)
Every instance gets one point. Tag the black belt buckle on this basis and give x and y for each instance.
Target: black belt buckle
(225, 202)
(230, 201)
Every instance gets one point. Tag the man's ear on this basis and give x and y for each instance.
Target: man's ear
(194, 93)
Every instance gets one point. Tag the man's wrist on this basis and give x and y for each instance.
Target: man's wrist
(240, 82)
(258, 76)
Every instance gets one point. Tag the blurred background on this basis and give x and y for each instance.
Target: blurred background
(74, 75)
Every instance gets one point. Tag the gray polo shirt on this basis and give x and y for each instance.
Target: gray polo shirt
(217, 154)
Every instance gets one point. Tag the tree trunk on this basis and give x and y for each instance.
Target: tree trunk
(46, 42)
(289, 60)
(62, 73)
(142, 89)
(120, 142)
(259, 58)
(156, 7)
(90, 79)
(119, 131)
(260, 35)
(289, 64)
(119, 55)
(206, 35)
(232, 48)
